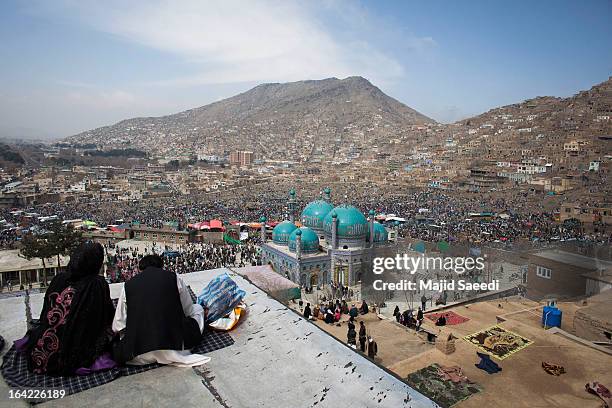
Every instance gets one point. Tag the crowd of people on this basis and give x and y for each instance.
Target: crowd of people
(122, 263)
(8, 239)
(333, 312)
(431, 215)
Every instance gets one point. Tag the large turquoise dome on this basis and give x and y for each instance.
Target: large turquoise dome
(314, 213)
(351, 223)
(309, 238)
(380, 233)
(280, 233)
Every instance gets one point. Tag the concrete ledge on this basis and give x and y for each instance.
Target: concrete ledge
(278, 360)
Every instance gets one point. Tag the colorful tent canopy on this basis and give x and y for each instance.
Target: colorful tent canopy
(230, 240)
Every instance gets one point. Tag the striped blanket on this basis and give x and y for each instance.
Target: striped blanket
(220, 297)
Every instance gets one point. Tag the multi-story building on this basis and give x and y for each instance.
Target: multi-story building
(241, 158)
(587, 214)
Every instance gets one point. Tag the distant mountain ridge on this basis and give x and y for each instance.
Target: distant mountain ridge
(267, 113)
(582, 107)
(339, 119)
(543, 127)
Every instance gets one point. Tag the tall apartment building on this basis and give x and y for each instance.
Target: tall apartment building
(241, 158)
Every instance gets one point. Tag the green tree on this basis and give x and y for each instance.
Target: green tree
(36, 246)
(62, 239)
(56, 240)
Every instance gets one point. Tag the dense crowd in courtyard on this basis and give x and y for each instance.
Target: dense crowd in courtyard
(122, 263)
(430, 215)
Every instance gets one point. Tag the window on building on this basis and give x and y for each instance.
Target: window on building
(543, 272)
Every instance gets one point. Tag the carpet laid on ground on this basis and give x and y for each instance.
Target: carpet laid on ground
(452, 318)
(444, 385)
(16, 374)
(497, 341)
(601, 391)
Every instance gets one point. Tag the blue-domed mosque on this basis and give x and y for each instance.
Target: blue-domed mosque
(333, 243)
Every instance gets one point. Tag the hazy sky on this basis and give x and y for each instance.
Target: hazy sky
(72, 65)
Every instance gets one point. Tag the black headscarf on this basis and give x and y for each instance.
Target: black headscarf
(86, 260)
(75, 321)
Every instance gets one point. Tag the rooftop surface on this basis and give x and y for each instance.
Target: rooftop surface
(285, 249)
(523, 382)
(278, 360)
(599, 307)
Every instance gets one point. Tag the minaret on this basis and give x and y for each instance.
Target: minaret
(371, 226)
(332, 263)
(327, 194)
(262, 220)
(334, 244)
(298, 245)
(291, 206)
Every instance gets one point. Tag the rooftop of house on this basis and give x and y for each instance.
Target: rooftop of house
(279, 359)
(577, 260)
(603, 275)
(11, 260)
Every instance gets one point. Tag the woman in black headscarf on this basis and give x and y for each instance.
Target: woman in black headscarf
(76, 317)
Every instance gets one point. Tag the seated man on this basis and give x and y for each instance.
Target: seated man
(329, 316)
(315, 312)
(74, 327)
(353, 312)
(345, 308)
(441, 321)
(157, 319)
(364, 308)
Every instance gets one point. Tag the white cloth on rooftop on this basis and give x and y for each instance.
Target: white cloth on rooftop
(179, 358)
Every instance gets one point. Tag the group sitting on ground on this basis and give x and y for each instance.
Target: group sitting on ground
(332, 313)
(80, 331)
(408, 319)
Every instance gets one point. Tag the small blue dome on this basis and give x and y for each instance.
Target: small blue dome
(309, 240)
(314, 213)
(351, 223)
(280, 233)
(380, 233)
